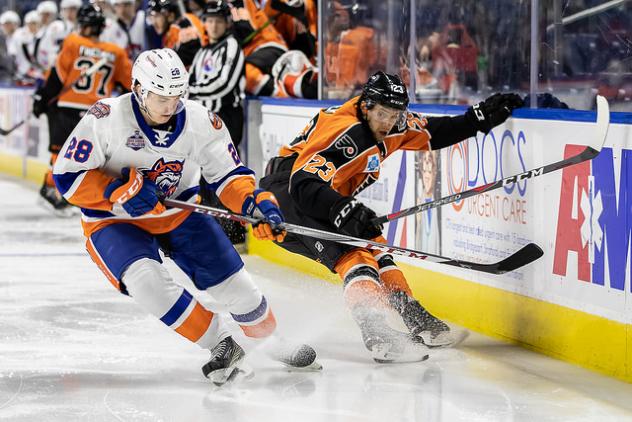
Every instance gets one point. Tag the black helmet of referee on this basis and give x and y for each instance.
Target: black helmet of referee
(217, 8)
(90, 16)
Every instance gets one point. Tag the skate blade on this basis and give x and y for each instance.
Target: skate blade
(381, 353)
(457, 338)
(230, 375)
(67, 212)
(312, 367)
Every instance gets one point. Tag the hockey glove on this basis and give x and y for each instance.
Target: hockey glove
(137, 195)
(353, 218)
(493, 111)
(264, 206)
(546, 100)
(40, 105)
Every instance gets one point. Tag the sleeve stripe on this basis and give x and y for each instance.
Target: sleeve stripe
(221, 183)
(67, 183)
(227, 182)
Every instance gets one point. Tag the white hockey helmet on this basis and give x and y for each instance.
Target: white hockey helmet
(70, 3)
(32, 17)
(47, 6)
(10, 17)
(159, 71)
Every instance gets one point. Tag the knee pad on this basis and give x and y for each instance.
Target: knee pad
(238, 293)
(150, 284)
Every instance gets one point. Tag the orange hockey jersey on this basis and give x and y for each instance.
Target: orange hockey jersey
(77, 55)
(287, 25)
(338, 149)
(172, 38)
(263, 32)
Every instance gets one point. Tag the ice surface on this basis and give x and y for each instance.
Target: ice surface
(73, 349)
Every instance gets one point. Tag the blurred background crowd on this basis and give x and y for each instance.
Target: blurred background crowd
(455, 52)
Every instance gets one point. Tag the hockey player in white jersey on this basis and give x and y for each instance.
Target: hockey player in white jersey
(9, 23)
(52, 35)
(49, 35)
(24, 41)
(127, 30)
(123, 157)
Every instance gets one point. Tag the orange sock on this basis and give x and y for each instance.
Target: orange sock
(359, 272)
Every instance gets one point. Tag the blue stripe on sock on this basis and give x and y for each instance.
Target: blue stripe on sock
(177, 309)
(253, 315)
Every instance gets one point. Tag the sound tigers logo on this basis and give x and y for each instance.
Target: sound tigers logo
(166, 175)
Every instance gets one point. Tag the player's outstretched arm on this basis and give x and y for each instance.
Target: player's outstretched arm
(484, 116)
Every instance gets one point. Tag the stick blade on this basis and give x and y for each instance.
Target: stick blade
(603, 122)
(520, 258)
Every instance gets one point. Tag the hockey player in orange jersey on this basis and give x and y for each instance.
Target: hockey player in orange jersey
(68, 91)
(296, 21)
(183, 33)
(339, 154)
(271, 70)
(351, 50)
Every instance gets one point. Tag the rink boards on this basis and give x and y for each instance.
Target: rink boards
(574, 303)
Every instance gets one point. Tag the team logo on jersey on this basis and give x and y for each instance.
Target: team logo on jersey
(175, 72)
(347, 145)
(136, 141)
(209, 64)
(216, 121)
(99, 110)
(166, 175)
(373, 163)
(162, 137)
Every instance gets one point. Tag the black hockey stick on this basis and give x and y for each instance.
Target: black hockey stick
(5, 132)
(599, 138)
(524, 256)
(89, 72)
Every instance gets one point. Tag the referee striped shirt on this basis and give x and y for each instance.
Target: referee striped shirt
(217, 75)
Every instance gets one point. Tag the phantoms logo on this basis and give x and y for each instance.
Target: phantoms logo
(594, 218)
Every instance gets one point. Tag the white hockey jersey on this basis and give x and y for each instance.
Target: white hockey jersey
(24, 45)
(113, 135)
(131, 39)
(50, 39)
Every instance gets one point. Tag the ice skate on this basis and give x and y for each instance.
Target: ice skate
(386, 344)
(53, 201)
(422, 324)
(293, 356)
(226, 362)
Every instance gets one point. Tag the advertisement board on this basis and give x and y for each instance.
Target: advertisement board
(579, 216)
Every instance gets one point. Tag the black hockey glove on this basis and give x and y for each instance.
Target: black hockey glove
(546, 100)
(493, 111)
(40, 105)
(353, 218)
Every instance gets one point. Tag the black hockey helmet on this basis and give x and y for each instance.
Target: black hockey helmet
(91, 16)
(217, 8)
(385, 89)
(166, 6)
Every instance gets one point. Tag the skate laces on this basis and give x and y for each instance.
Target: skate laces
(221, 348)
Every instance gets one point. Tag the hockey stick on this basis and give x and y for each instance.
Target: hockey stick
(524, 256)
(601, 130)
(89, 72)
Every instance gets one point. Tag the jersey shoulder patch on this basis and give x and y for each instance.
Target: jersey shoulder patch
(100, 110)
